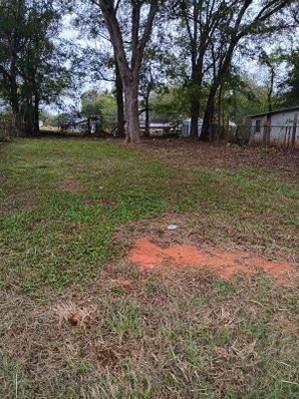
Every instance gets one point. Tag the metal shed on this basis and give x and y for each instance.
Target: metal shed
(279, 127)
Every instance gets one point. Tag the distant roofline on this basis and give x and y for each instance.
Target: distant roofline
(277, 111)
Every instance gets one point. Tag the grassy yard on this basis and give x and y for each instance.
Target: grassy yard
(79, 321)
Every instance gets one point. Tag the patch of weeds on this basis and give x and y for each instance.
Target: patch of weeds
(223, 287)
(14, 380)
(78, 367)
(138, 385)
(153, 285)
(123, 319)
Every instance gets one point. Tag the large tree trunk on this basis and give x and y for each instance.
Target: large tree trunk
(197, 75)
(270, 90)
(207, 126)
(132, 115)
(195, 104)
(120, 103)
(17, 116)
(147, 119)
(195, 101)
(130, 69)
(15, 106)
(36, 116)
(29, 116)
(14, 102)
(220, 114)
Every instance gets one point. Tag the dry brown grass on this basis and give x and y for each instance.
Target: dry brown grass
(17, 202)
(71, 185)
(80, 315)
(178, 153)
(131, 334)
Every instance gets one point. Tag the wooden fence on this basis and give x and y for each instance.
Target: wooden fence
(7, 129)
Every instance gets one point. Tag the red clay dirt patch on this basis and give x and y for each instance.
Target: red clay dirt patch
(225, 264)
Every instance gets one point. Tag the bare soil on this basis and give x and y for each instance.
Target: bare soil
(223, 263)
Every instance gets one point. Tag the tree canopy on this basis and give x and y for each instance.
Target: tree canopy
(32, 69)
(180, 59)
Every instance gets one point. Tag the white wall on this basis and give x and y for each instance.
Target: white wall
(258, 136)
(186, 127)
(281, 128)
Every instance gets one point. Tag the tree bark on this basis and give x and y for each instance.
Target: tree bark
(270, 90)
(36, 116)
(197, 76)
(197, 54)
(132, 115)
(207, 126)
(195, 104)
(120, 103)
(147, 121)
(220, 114)
(29, 117)
(223, 71)
(14, 98)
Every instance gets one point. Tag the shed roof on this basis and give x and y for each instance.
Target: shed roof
(277, 111)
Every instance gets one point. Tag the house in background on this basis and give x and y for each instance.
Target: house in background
(185, 127)
(158, 127)
(80, 125)
(280, 127)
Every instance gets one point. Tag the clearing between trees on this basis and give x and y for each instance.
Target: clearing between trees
(81, 319)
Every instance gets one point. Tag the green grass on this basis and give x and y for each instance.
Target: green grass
(61, 204)
(67, 235)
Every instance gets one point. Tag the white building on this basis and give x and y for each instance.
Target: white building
(280, 127)
(159, 129)
(185, 127)
(77, 125)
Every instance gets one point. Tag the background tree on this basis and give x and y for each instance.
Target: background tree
(103, 106)
(246, 20)
(200, 20)
(214, 31)
(130, 25)
(96, 63)
(153, 77)
(170, 104)
(32, 69)
(290, 86)
(13, 39)
(272, 63)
